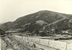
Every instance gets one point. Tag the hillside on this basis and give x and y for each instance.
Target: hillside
(6, 26)
(44, 16)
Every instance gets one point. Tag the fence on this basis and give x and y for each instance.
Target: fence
(51, 43)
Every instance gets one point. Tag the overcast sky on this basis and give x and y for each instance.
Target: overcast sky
(10, 10)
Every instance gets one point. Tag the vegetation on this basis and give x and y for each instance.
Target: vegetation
(2, 33)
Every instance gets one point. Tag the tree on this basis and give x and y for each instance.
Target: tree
(2, 32)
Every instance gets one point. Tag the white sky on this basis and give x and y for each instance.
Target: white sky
(13, 9)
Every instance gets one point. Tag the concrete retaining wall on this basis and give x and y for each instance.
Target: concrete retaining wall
(57, 44)
(44, 42)
(69, 46)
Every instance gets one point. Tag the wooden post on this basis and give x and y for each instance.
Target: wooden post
(66, 46)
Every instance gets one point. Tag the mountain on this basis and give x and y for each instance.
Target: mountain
(40, 17)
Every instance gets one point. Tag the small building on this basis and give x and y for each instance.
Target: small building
(66, 31)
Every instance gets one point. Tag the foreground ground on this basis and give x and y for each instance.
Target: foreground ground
(10, 43)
